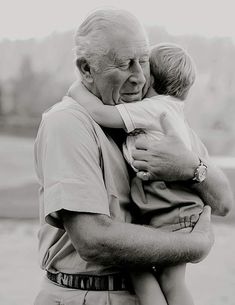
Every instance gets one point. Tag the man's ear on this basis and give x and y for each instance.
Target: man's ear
(84, 69)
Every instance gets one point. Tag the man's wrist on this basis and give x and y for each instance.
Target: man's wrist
(189, 171)
(200, 173)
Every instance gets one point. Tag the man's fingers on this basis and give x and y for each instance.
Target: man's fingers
(206, 213)
(203, 227)
(204, 221)
(166, 125)
(139, 155)
(141, 143)
(140, 165)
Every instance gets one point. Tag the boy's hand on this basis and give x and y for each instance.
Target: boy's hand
(168, 159)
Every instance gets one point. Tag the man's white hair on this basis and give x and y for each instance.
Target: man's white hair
(173, 70)
(90, 38)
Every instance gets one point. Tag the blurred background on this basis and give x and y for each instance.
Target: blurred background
(36, 69)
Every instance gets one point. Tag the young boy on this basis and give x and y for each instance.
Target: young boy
(169, 206)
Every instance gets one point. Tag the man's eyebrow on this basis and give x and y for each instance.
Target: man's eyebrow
(119, 59)
(122, 58)
(145, 55)
(126, 58)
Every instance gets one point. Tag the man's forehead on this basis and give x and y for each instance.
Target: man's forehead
(124, 35)
(129, 47)
(127, 40)
(125, 53)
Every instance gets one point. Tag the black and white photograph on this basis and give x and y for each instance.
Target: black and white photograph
(117, 152)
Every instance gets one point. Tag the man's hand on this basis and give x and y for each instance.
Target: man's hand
(203, 232)
(167, 160)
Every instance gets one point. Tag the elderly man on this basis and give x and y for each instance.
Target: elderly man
(87, 240)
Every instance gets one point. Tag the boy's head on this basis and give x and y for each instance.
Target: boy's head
(173, 70)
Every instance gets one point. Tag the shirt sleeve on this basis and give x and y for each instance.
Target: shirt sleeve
(69, 161)
(144, 114)
(126, 117)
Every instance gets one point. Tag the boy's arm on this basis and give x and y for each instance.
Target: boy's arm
(104, 115)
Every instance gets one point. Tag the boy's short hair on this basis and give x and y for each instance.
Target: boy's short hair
(173, 70)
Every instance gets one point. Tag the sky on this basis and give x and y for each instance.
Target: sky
(23, 19)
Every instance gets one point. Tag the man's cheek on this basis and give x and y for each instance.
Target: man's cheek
(111, 93)
(116, 83)
(116, 79)
(147, 83)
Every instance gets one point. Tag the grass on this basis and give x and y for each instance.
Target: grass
(20, 201)
(19, 188)
(230, 219)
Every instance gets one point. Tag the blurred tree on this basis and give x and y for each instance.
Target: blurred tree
(23, 87)
(34, 91)
(1, 102)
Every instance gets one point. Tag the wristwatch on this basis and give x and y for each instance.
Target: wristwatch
(199, 173)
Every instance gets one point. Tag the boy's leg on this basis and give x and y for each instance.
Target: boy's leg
(147, 289)
(172, 283)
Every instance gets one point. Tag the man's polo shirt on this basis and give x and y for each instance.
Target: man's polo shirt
(80, 169)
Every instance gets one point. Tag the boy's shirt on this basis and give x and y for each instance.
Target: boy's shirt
(167, 204)
(146, 114)
(142, 119)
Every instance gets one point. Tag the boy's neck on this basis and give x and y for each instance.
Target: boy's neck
(151, 92)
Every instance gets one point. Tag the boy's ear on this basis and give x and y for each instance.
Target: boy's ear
(84, 69)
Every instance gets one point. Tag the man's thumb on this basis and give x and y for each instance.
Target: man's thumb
(206, 214)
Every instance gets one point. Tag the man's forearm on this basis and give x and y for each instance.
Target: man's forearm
(144, 247)
(215, 190)
(98, 238)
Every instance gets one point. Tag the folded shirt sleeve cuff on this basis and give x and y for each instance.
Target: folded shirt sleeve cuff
(129, 124)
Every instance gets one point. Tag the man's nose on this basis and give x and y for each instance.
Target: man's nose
(137, 74)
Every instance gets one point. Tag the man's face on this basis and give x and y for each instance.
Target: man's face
(124, 75)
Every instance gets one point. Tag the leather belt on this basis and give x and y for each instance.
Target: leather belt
(110, 282)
